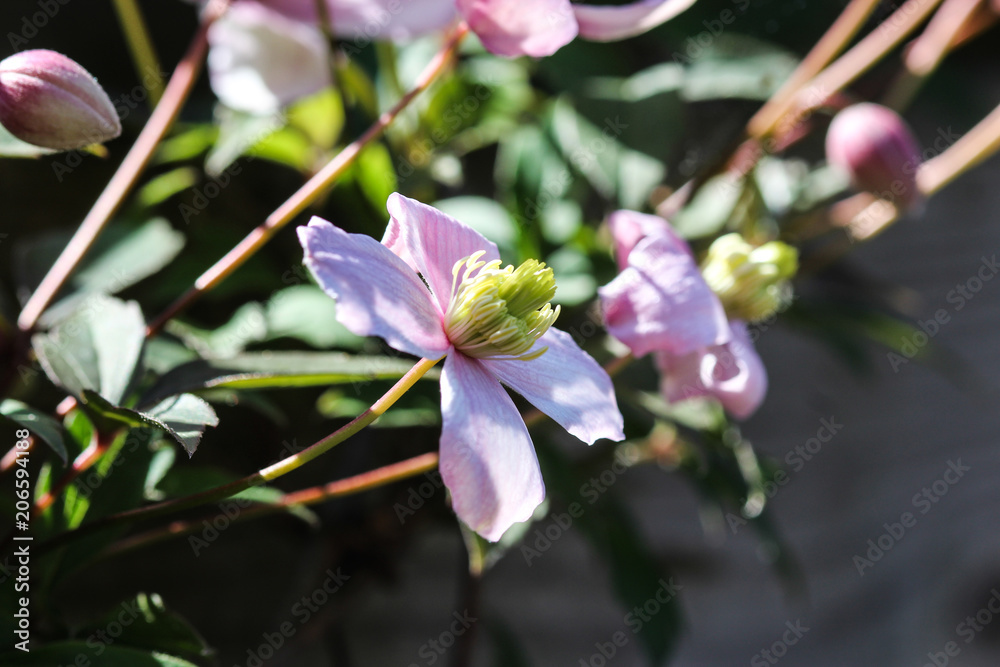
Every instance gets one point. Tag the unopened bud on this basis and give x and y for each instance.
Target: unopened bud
(752, 283)
(875, 146)
(49, 100)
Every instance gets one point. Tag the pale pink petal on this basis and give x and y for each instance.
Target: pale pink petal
(487, 459)
(372, 20)
(733, 373)
(629, 227)
(260, 60)
(431, 242)
(377, 293)
(662, 303)
(566, 384)
(516, 28)
(610, 23)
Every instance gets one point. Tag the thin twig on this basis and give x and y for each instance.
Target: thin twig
(160, 121)
(140, 45)
(309, 192)
(258, 478)
(826, 49)
(928, 50)
(345, 487)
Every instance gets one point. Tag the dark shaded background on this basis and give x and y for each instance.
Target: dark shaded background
(900, 431)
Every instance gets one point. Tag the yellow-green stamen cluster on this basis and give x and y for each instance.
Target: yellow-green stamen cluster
(500, 312)
(752, 283)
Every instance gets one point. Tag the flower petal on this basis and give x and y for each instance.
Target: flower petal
(661, 302)
(431, 242)
(487, 459)
(516, 28)
(367, 20)
(377, 293)
(733, 373)
(566, 384)
(261, 60)
(629, 227)
(607, 24)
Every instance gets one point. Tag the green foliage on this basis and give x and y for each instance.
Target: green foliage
(39, 423)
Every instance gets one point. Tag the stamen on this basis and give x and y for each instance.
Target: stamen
(499, 313)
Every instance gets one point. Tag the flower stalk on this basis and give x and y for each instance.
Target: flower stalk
(355, 484)
(140, 45)
(260, 477)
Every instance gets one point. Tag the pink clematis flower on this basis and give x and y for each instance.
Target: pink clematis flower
(660, 303)
(270, 52)
(434, 287)
(261, 60)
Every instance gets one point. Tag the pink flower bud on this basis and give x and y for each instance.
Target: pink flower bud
(49, 100)
(876, 147)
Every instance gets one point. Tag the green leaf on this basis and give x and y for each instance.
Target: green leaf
(150, 626)
(143, 251)
(304, 312)
(97, 348)
(411, 411)
(485, 216)
(710, 210)
(182, 417)
(40, 424)
(307, 313)
(618, 173)
(101, 655)
(248, 325)
(122, 259)
(187, 145)
(737, 66)
(239, 132)
(320, 117)
(375, 174)
(185, 417)
(278, 369)
(575, 281)
(163, 187)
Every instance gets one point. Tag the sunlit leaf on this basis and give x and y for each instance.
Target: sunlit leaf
(39, 423)
(261, 370)
(98, 348)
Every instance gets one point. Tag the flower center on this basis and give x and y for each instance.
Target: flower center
(500, 312)
(752, 283)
